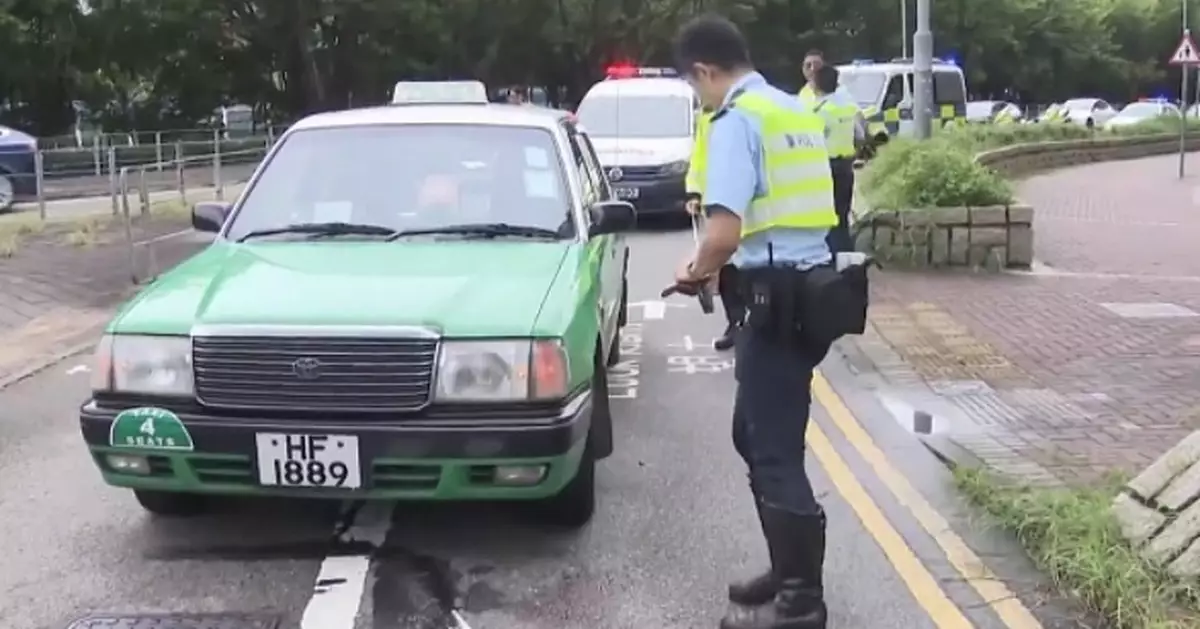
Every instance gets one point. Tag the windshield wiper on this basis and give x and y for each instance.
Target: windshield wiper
(322, 229)
(490, 230)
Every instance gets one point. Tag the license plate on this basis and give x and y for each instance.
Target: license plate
(291, 460)
(625, 194)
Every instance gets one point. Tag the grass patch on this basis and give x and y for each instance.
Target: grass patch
(77, 231)
(1072, 535)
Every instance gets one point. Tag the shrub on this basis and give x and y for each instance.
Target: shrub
(937, 173)
(941, 172)
(1157, 126)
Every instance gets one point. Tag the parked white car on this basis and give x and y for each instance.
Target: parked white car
(1089, 112)
(1142, 111)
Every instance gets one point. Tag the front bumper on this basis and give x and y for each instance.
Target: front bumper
(443, 456)
(664, 195)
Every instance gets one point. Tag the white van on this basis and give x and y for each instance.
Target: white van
(642, 122)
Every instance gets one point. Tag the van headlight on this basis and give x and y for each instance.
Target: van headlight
(500, 371)
(675, 168)
(150, 365)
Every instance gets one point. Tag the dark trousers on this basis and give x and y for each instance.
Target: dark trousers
(731, 296)
(770, 416)
(839, 238)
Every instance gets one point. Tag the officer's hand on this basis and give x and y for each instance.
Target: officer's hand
(692, 206)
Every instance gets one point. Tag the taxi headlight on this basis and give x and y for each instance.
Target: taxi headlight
(494, 371)
(152, 365)
(675, 168)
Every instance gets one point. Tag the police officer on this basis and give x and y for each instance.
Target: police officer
(727, 278)
(768, 195)
(813, 60)
(844, 132)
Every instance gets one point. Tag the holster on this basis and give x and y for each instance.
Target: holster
(817, 305)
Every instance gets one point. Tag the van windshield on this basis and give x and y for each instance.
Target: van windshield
(636, 116)
(864, 87)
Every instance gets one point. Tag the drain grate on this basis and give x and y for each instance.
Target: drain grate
(176, 621)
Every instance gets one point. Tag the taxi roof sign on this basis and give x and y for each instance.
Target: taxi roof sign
(439, 93)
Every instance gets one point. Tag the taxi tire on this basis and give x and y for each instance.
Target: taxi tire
(574, 506)
(614, 347)
(600, 434)
(171, 504)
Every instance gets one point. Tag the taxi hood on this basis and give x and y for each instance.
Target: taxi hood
(641, 151)
(464, 288)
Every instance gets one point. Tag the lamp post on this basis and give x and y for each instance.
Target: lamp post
(923, 72)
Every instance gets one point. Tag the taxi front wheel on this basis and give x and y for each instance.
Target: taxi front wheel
(171, 504)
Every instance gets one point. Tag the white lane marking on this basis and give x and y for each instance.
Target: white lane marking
(459, 621)
(341, 581)
(78, 369)
(654, 309)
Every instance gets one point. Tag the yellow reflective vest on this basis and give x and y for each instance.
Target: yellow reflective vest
(839, 113)
(799, 190)
(807, 95)
(697, 164)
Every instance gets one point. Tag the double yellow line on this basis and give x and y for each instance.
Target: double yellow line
(924, 587)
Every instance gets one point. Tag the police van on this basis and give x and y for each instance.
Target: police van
(884, 93)
(643, 122)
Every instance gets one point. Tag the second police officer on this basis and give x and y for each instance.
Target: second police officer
(844, 133)
(768, 196)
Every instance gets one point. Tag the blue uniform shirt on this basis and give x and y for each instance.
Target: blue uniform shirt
(736, 175)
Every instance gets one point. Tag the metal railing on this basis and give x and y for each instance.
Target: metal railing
(88, 140)
(175, 167)
(136, 181)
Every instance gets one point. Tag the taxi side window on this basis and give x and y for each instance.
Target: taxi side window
(588, 179)
(593, 163)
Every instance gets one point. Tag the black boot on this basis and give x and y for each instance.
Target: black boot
(797, 545)
(759, 590)
(726, 340)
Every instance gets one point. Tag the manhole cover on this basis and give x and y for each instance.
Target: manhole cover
(176, 621)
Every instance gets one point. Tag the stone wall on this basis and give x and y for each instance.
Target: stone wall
(996, 237)
(1159, 511)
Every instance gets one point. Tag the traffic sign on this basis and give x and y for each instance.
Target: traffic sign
(1185, 54)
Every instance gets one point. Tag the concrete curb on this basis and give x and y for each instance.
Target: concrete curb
(44, 363)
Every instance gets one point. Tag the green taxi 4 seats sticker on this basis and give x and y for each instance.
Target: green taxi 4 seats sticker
(149, 428)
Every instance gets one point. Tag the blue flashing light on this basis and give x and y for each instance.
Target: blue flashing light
(862, 62)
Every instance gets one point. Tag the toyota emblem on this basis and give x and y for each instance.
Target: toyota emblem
(615, 174)
(307, 368)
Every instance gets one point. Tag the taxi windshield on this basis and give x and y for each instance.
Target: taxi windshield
(636, 116)
(410, 178)
(864, 87)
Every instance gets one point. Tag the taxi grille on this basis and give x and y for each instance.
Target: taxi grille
(313, 373)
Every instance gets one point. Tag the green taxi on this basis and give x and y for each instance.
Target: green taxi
(407, 302)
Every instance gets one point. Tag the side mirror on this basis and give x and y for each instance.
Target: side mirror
(611, 217)
(209, 216)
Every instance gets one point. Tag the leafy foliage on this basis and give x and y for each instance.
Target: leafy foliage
(156, 64)
(942, 172)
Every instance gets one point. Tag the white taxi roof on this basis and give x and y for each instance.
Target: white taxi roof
(490, 114)
(642, 86)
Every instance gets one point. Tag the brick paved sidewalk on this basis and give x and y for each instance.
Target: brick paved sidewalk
(1089, 364)
(57, 291)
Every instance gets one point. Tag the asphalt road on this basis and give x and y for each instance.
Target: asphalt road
(674, 521)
